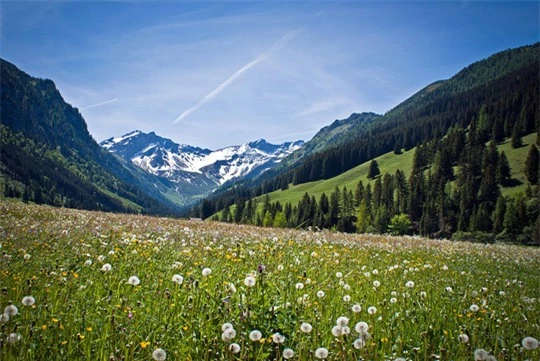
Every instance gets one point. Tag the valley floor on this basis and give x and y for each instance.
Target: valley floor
(107, 286)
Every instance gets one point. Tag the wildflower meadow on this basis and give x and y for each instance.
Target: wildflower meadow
(78, 285)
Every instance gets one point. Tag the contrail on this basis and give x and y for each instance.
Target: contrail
(262, 57)
(99, 104)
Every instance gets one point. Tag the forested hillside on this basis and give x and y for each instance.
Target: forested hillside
(454, 186)
(48, 156)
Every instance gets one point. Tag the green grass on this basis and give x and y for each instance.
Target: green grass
(516, 159)
(421, 290)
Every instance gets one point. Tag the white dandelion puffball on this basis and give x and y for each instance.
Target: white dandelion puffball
(339, 274)
(449, 289)
(106, 267)
(278, 338)
(280, 267)
(474, 308)
(321, 353)
(299, 286)
(463, 338)
(88, 262)
(320, 294)
(134, 281)
(27, 256)
(11, 310)
(28, 300)
(423, 294)
(255, 335)
(372, 310)
(306, 327)
(359, 343)
(409, 284)
(361, 327)
(347, 298)
(178, 279)
(337, 331)
(234, 347)
(4, 318)
(356, 308)
(393, 300)
(342, 321)
(249, 281)
(226, 326)
(228, 334)
(288, 353)
(474, 293)
(13, 338)
(206, 272)
(375, 272)
(159, 354)
(480, 354)
(376, 284)
(529, 343)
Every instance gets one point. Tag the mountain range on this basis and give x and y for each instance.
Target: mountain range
(195, 172)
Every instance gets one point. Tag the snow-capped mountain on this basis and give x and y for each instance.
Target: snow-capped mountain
(205, 168)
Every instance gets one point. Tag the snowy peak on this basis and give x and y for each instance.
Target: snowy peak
(184, 163)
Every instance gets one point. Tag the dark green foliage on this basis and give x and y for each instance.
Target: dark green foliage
(532, 165)
(373, 169)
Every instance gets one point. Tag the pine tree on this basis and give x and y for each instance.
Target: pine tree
(503, 170)
(532, 165)
(362, 218)
(498, 215)
(279, 220)
(334, 207)
(267, 220)
(517, 142)
(373, 169)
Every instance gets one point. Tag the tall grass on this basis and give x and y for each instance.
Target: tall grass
(422, 292)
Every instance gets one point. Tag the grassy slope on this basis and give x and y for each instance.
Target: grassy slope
(389, 163)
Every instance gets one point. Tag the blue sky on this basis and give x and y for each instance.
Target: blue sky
(219, 73)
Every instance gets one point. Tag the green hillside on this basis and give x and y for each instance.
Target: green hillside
(389, 163)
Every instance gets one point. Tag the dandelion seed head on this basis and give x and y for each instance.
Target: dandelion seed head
(206, 272)
(342, 321)
(106, 267)
(463, 338)
(347, 298)
(474, 308)
(255, 335)
(88, 262)
(159, 354)
(339, 274)
(234, 348)
(134, 281)
(361, 327)
(250, 281)
(356, 308)
(529, 343)
(393, 300)
(480, 354)
(288, 353)
(228, 334)
(372, 310)
(321, 353)
(320, 294)
(278, 338)
(409, 284)
(13, 338)
(306, 327)
(11, 310)
(4, 318)
(178, 279)
(28, 300)
(376, 284)
(359, 343)
(226, 326)
(299, 286)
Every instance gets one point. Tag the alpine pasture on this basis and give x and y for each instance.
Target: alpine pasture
(78, 285)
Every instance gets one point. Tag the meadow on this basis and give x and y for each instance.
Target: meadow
(78, 285)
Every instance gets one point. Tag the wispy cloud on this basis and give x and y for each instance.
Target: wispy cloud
(100, 104)
(221, 87)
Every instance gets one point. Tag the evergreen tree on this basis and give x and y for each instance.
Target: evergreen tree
(402, 191)
(279, 220)
(225, 214)
(532, 165)
(334, 207)
(503, 170)
(362, 218)
(516, 142)
(498, 215)
(399, 224)
(267, 220)
(373, 169)
(359, 193)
